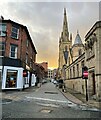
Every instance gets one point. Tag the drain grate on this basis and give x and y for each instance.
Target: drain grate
(51, 92)
(46, 111)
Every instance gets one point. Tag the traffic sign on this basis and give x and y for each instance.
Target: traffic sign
(85, 74)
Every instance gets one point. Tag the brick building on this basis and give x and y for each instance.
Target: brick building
(45, 66)
(41, 72)
(17, 53)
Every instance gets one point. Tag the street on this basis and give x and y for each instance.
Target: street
(44, 102)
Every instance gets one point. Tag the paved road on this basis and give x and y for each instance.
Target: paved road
(45, 102)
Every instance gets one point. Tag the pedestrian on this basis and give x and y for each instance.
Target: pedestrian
(63, 88)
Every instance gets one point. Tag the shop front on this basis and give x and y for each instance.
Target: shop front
(13, 78)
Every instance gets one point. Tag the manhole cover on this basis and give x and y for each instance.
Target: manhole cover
(6, 101)
(45, 111)
(51, 92)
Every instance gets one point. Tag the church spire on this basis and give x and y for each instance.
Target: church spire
(65, 27)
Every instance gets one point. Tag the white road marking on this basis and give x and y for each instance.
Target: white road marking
(5, 103)
(45, 99)
(47, 105)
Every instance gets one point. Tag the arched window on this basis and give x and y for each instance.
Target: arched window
(80, 51)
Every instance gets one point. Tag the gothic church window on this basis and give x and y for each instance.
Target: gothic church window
(77, 70)
(80, 51)
(74, 72)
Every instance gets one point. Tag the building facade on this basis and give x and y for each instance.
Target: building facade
(41, 71)
(80, 55)
(50, 74)
(17, 55)
(45, 66)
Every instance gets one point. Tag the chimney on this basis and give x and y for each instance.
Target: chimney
(1, 18)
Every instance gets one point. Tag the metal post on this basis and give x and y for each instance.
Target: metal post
(86, 90)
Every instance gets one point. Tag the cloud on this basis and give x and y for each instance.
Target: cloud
(44, 21)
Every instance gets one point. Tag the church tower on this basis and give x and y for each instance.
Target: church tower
(64, 43)
(78, 47)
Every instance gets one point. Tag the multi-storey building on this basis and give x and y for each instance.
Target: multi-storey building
(41, 70)
(50, 73)
(80, 55)
(17, 53)
(45, 66)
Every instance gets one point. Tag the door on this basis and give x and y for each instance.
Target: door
(94, 86)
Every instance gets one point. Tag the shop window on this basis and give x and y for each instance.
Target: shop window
(26, 81)
(11, 79)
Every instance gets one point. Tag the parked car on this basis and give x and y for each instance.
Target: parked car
(44, 81)
(52, 80)
(55, 81)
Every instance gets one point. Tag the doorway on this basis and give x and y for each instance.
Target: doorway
(93, 80)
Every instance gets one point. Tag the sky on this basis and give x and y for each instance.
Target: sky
(44, 21)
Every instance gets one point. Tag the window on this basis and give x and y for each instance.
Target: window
(13, 51)
(82, 63)
(2, 29)
(26, 58)
(2, 48)
(11, 78)
(70, 73)
(27, 43)
(15, 32)
(77, 70)
(80, 51)
(74, 72)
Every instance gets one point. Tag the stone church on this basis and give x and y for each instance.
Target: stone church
(75, 55)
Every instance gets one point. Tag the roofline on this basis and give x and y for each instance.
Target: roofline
(10, 21)
(82, 55)
(92, 29)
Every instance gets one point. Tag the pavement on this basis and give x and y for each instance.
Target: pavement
(80, 99)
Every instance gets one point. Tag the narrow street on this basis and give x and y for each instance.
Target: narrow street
(44, 102)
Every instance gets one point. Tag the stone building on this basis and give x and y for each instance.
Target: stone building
(80, 55)
(50, 74)
(93, 59)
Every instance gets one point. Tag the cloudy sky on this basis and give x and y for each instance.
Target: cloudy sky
(44, 21)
